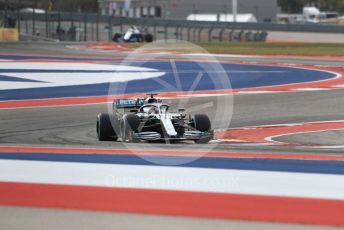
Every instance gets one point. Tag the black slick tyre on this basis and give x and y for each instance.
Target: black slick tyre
(128, 126)
(201, 122)
(105, 129)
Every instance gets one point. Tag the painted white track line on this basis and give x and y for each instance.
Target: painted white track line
(175, 178)
(117, 73)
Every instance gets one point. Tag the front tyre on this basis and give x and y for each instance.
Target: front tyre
(203, 140)
(201, 122)
(149, 38)
(105, 130)
(128, 126)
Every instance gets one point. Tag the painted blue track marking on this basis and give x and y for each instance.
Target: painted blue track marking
(240, 76)
(280, 165)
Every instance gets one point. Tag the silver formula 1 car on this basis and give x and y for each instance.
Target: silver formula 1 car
(149, 119)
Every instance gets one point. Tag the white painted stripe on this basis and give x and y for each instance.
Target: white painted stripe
(204, 95)
(175, 178)
(71, 66)
(325, 66)
(222, 55)
(251, 144)
(56, 79)
(310, 89)
(258, 92)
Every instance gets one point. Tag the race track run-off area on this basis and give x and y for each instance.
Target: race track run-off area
(295, 188)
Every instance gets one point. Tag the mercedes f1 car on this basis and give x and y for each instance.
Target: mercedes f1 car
(149, 119)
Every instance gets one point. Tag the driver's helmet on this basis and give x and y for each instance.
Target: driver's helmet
(151, 100)
(153, 110)
(146, 109)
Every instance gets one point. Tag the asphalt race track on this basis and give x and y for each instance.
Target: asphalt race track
(299, 128)
(58, 125)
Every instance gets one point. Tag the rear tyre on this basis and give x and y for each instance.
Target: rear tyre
(128, 126)
(149, 38)
(105, 128)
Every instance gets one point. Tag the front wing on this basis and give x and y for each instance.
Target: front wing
(188, 135)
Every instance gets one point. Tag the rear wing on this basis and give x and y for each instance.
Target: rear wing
(128, 103)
